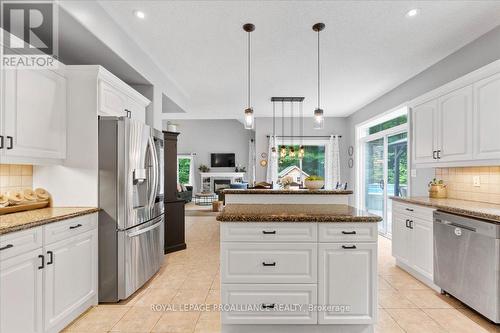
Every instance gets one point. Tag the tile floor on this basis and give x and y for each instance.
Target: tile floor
(191, 276)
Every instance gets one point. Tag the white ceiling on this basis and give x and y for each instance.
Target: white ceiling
(368, 47)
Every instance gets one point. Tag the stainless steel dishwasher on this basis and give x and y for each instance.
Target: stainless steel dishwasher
(467, 261)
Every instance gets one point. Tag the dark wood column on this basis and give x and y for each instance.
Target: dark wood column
(174, 208)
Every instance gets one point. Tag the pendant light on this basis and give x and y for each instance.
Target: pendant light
(301, 152)
(274, 153)
(283, 147)
(249, 115)
(319, 119)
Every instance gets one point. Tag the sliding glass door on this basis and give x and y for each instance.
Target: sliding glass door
(385, 173)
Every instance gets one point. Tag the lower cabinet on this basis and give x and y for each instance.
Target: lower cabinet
(347, 283)
(331, 273)
(412, 239)
(21, 288)
(43, 289)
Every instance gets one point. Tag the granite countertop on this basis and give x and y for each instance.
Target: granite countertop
(294, 213)
(276, 191)
(482, 210)
(33, 218)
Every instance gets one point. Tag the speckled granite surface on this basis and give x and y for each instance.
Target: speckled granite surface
(33, 218)
(480, 210)
(303, 191)
(294, 213)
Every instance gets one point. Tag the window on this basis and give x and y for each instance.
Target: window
(313, 163)
(388, 124)
(185, 169)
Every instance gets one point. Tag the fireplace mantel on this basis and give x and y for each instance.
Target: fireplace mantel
(208, 178)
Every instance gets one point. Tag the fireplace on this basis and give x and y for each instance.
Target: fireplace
(220, 184)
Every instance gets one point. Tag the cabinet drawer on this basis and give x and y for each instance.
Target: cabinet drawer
(268, 263)
(269, 232)
(20, 242)
(348, 232)
(268, 301)
(415, 211)
(62, 230)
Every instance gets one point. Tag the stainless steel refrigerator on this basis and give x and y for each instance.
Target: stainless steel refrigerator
(131, 219)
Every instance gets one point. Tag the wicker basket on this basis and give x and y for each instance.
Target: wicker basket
(437, 191)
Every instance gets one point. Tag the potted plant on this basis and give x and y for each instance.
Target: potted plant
(314, 182)
(437, 189)
(203, 168)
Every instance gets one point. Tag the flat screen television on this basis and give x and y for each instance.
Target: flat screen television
(222, 160)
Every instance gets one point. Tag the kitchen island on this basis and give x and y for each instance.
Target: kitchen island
(298, 268)
(285, 196)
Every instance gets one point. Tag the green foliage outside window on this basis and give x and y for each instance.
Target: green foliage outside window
(388, 124)
(184, 170)
(313, 162)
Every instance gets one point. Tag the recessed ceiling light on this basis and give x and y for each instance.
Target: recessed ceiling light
(413, 12)
(139, 14)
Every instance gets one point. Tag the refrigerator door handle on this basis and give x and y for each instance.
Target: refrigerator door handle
(142, 231)
(152, 194)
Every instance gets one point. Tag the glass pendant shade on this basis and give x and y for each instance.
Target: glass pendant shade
(291, 152)
(249, 118)
(283, 151)
(319, 119)
(301, 152)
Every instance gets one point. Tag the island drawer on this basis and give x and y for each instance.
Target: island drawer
(413, 211)
(20, 242)
(348, 232)
(269, 232)
(62, 230)
(268, 262)
(269, 303)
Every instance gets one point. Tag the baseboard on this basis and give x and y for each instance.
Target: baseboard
(417, 275)
(297, 328)
(175, 248)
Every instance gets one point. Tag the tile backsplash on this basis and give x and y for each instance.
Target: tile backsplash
(15, 177)
(460, 183)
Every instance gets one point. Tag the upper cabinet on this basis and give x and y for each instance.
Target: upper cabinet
(34, 115)
(458, 124)
(487, 118)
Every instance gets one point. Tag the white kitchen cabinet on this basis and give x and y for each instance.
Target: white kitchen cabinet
(400, 238)
(44, 284)
(412, 239)
(34, 115)
(21, 293)
(424, 138)
(347, 282)
(454, 126)
(487, 118)
(70, 278)
(112, 102)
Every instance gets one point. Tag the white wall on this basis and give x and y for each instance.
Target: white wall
(333, 125)
(472, 56)
(204, 137)
(94, 18)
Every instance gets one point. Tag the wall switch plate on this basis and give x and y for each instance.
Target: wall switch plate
(414, 173)
(476, 181)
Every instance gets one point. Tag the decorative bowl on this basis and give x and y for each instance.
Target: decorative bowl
(314, 184)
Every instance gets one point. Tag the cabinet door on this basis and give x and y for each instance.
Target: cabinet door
(35, 114)
(400, 238)
(21, 300)
(137, 110)
(112, 102)
(454, 130)
(70, 278)
(487, 118)
(424, 129)
(347, 283)
(422, 246)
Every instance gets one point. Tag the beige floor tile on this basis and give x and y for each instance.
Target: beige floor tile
(480, 320)
(208, 326)
(210, 315)
(156, 296)
(137, 319)
(383, 284)
(99, 319)
(386, 324)
(415, 321)
(404, 282)
(427, 299)
(454, 321)
(391, 299)
(213, 297)
(177, 322)
(190, 297)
